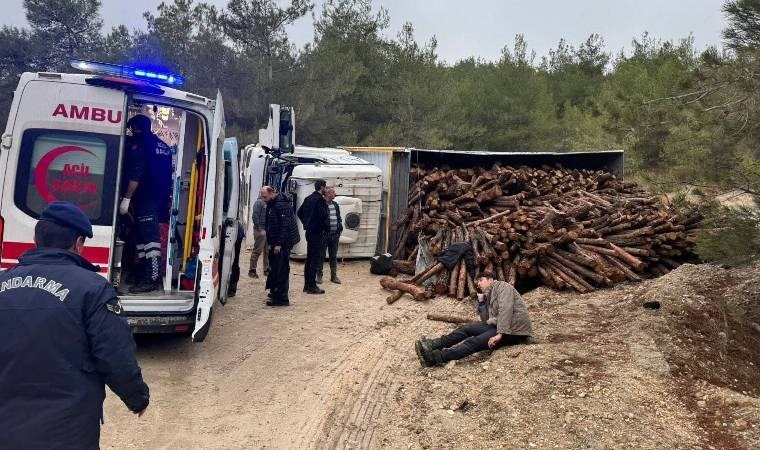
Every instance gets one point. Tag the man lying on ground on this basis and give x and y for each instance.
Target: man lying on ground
(504, 321)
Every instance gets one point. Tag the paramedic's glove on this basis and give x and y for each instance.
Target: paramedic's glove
(124, 206)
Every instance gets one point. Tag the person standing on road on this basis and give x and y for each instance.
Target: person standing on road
(504, 321)
(312, 216)
(332, 238)
(259, 217)
(61, 341)
(282, 235)
(149, 171)
(235, 272)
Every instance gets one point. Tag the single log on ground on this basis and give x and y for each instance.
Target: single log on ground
(415, 291)
(451, 318)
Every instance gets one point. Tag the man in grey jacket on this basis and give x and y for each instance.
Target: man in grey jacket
(259, 238)
(504, 321)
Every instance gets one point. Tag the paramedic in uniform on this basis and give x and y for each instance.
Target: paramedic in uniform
(149, 171)
(61, 341)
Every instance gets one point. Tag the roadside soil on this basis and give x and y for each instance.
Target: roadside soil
(339, 371)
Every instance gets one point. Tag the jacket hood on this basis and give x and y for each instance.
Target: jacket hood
(55, 256)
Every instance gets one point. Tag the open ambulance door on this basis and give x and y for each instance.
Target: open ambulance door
(230, 214)
(207, 289)
(63, 143)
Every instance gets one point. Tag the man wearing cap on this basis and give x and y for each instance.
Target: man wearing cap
(61, 341)
(148, 167)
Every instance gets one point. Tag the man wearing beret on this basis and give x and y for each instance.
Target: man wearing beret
(61, 341)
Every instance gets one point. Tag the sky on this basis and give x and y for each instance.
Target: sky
(481, 28)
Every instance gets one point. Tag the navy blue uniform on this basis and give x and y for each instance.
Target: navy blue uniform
(61, 342)
(149, 162)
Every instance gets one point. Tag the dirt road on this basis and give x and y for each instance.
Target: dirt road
(338, 371)
(315, 374)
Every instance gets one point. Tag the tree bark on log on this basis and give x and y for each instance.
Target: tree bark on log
(451, 318)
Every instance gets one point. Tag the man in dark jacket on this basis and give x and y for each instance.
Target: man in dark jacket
(314, 228)
(148, 167)
(504, 321)
(282, 235)
(61, 341)
(332, 237)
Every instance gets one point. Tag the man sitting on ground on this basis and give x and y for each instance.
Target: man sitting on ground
(504, 321)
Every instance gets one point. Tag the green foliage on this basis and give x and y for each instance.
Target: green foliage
(730, 236)
(682, 117)
(743, 31)
(69, 28)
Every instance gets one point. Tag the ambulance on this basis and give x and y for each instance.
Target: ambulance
(65, 140)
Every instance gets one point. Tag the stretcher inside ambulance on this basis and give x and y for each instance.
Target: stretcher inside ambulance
(65, 140)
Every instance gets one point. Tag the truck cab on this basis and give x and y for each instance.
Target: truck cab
(65, 140)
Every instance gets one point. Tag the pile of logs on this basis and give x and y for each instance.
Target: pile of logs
(568, 229)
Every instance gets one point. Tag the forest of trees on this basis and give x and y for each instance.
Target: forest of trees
(683, 116)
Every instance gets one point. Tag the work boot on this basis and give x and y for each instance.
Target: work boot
(319, 278)
(145, 287)
(253, 274)
(334, 278)
(425, 357)
(314, 290)
(231, 292)
(437, 357)
(431, 344)
(274, 302)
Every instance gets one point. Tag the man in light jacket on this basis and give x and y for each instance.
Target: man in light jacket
(332, 237)
(504, 321)
(259, 238)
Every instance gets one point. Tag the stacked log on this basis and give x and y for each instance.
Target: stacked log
(568, 229)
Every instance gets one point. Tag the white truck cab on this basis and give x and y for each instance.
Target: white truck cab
(65, 141)
(293, 169)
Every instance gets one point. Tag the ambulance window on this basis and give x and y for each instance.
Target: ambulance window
(68, 165)
(227, 185)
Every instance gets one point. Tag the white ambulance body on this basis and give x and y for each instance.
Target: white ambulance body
(65, 141)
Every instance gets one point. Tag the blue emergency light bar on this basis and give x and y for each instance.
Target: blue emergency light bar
(134, 73)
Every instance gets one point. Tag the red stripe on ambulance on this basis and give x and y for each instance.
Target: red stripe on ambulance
(95, 255)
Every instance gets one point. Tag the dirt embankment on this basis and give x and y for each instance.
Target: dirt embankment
(339, 371)
(603, 372)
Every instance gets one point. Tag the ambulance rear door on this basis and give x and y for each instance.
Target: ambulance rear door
(230, 211)
(65, 145)
(209, 254)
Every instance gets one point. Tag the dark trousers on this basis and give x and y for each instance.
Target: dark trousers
(315, 253)
(472, 338)
(148, 245)
(235, 271)
(278, 280)
(331, 245)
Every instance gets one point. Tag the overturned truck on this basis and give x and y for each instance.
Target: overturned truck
(550, 223)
